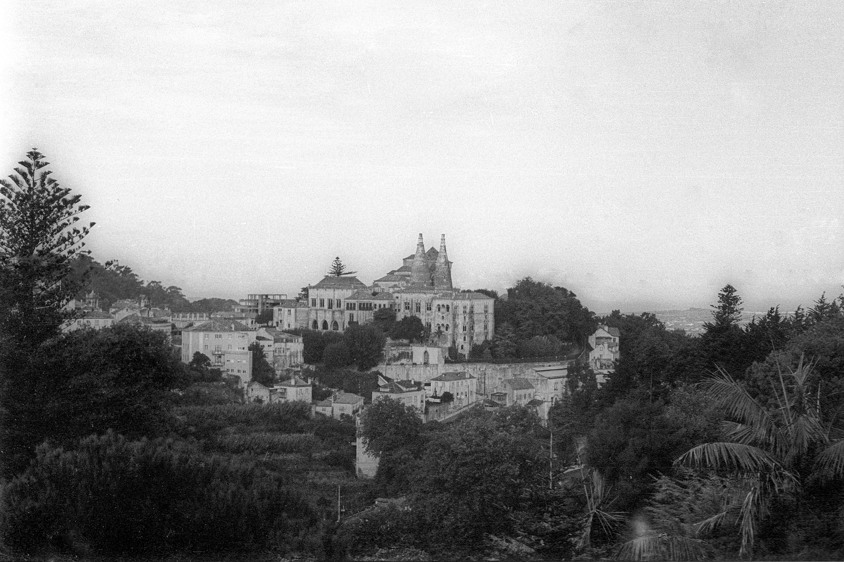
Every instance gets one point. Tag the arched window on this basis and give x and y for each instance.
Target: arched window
(448, 308)
(335, 326)
(325, 324)
(315, 326)
(446, 327)
(425, 357)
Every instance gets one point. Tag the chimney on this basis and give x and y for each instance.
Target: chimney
(442, 269)
(419, 272)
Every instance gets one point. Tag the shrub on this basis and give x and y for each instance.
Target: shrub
(116, 496)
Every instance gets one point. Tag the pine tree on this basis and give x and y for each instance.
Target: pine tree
(338, 269)
(39, 238)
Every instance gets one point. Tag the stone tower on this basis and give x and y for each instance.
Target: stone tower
(420, 274)
(442, 269)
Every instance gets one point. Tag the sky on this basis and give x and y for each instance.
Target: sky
(641, 154)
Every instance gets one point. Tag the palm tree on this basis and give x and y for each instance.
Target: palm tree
(772, 451)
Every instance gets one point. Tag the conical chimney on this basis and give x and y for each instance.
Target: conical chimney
(419, 272)
(442, 269)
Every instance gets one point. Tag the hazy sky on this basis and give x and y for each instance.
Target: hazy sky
(642, 154)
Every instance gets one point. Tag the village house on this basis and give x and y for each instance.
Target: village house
(461, 385)
(340, 404)
(91, 319)
(225, 343)
(292, 390)
(290, 315)
(408, 393)
(257, 392)
(604, 351)
(518, 391)
(282, 350)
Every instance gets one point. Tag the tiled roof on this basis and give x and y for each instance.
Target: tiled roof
(220, 325)
(347, 398)
(552, 372)
(402, 269)
(614, 332)
(344, 282)
(295, 381)
(519, 384)
(470, 296)
(323, 403)
(143, 320)
(360, 294)
(391, 278)
(447, 377)
(290, 303)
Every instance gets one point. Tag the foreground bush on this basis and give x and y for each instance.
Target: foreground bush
(115, 496)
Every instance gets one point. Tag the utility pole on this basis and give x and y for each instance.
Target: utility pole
(338, 503)
(550, 457)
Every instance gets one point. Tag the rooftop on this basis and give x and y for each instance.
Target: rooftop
(343, 282)
(220, 325)
(448, 377)
(347, 398)
(519, 384)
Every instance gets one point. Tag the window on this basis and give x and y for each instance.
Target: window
(448, 308)
(418, 306)
(324, 324)
(438, 308)
(322, 303)
(464, 309)
(350, 305)
(464, 328)
(447, 327)
(351, 317)
(313, 303)
(334, 326)
(315, 326)
(339, 305)
(407, 305)
(330, 303)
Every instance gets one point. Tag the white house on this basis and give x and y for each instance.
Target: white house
(462, 386)
(604, 350)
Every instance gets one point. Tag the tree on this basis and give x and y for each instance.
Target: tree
(262, 371)
(337, 268)
(313, 346)
(409, 328)
(724, 344)
(89, 381)
(39, 237)
(336, 356)
(384, 319)
(365, 344)
(776, 451)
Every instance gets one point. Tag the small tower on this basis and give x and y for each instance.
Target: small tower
(420, 275)
(442, 269)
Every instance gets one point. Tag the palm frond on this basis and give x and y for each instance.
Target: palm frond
(734, 457)
(829, 464)
(711, 523)
(751, 511)
(734, 399)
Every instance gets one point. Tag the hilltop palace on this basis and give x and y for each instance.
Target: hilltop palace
(421, 287)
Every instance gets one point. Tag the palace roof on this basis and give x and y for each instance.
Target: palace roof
(332, 281)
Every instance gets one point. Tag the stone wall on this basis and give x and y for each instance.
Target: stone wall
(489, 375)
